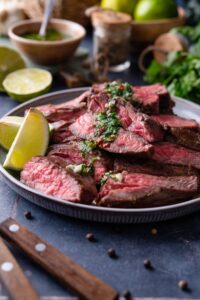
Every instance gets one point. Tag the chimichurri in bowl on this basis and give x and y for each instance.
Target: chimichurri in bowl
(51, 35)
(60, 43)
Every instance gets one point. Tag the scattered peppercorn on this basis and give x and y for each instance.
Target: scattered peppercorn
(28, 215)
(147, 264)
(90, 237)
(112, 253)
(183, 285)
(154, 231)
(126, 295)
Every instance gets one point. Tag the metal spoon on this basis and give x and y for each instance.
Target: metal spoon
(49, 4)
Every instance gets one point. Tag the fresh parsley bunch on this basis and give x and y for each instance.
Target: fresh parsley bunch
(180, 73)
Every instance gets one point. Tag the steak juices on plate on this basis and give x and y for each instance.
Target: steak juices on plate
(118, 146)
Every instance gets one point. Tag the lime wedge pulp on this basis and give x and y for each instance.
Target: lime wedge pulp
(9, 127)
(27, 83)
(10, 61)
(31, 140)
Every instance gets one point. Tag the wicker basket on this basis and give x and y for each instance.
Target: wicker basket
(67, 9)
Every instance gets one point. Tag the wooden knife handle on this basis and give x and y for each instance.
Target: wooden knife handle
(13, 278)
(62, 268)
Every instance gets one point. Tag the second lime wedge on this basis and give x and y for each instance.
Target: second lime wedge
(9, 127)
(31, 140)
(25, 84)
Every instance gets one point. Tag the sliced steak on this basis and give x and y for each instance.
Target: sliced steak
(64, 111)
(97, 102)
(45, 176)
(170, 153)
(173, 121)
(151, 167)
(129, 143)
(140, 123)
(126, 142)
(84, 126)
(80, 99)
(142, 190)
(62, 133)
(71, 154)
(152, 99)
(186, 137)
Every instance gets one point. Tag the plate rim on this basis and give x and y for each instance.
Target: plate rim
(16, 182)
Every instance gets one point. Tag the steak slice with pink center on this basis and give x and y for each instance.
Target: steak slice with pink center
(45, 176)
(170, 153)
(126, 142)
(84, 126)
(129, 143)
(187, 138)
(182, 131)
(71, 154)
(151, 167)
(140, 124)
(143, 190)
(67, 111)
(173, 121)
(152, 99)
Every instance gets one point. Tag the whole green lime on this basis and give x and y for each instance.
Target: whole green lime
(126, 6)
(155, 9)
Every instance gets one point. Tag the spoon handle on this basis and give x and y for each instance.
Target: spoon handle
(49, 4)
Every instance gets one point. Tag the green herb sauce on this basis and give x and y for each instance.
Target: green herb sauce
(107, 126)
(82, 169)
(117, 89)
(51, 35)
(110, 174)
(87, 146)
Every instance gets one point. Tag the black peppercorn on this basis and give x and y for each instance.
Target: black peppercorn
(126, 295)
(183, 285)
(28, 215)
(147, 264)
(90, 237)
(112, 253)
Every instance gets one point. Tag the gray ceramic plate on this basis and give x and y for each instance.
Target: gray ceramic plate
(116, 215)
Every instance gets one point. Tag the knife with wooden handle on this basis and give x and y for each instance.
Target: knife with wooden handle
(62, 268)
(13, 278)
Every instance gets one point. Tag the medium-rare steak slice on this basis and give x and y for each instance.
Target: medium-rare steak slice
(61, 132)
(152, 99)
(78, 100)
(64, 111)
(140, 123)
(151, 167)
(84, 126)
(125, 142)
(129, 143)
(173, 121)
(170, 153)
(73, 154)
(97, 102)
(143, 190)
(45, 176)
(187, 138)
(182, 131)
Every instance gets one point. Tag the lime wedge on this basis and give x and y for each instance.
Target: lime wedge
(27, 83)
(9, 127)
(10, 61)
(31, 140)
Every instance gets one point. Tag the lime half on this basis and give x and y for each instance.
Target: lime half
(27, 83)
(10, 60)
(9, 127)
(31, 140)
